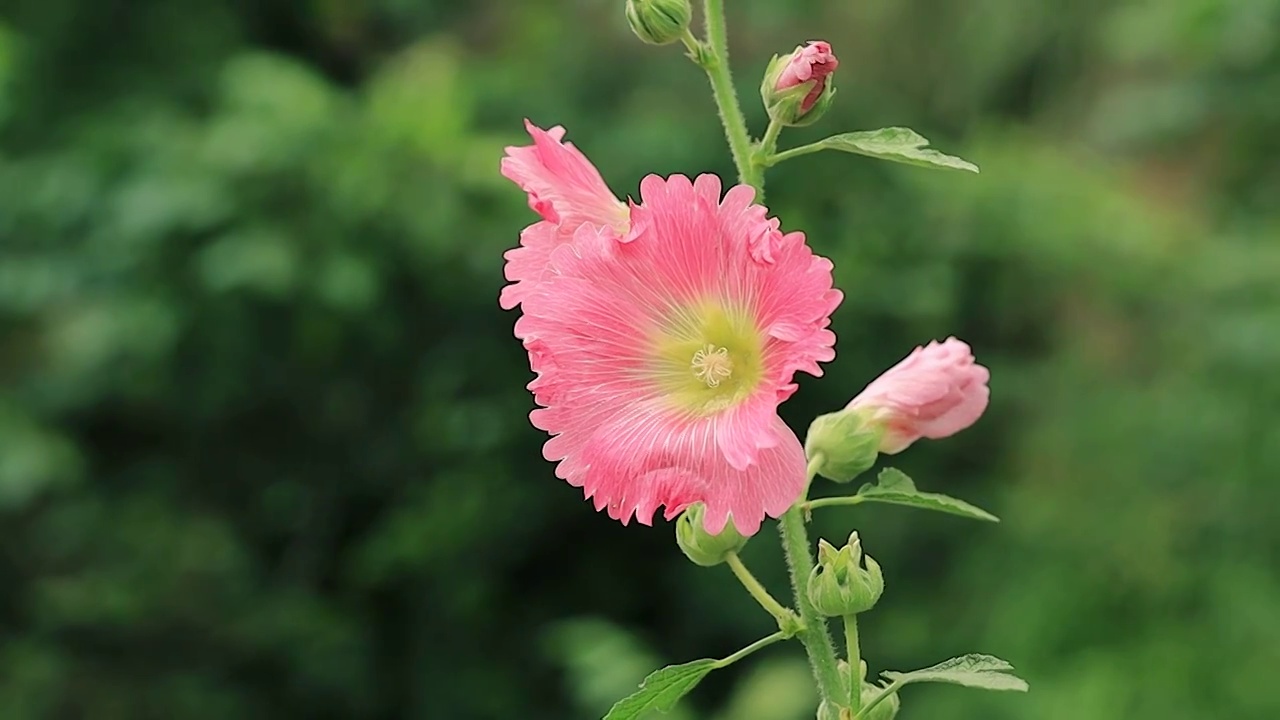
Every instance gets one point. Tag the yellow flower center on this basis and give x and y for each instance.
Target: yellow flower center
(712, 364)
(706, 357)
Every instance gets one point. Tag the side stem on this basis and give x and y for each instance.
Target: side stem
(814, 635)
(774, 158)
(757, 590)
(757, 645)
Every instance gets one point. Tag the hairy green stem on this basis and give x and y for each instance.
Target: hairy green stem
(760, 153)
(855, 661)
(757, 645)
(814, 635)
(834, 501)
(768, 143)
(757, 590)
(716, 62)
(772, 159)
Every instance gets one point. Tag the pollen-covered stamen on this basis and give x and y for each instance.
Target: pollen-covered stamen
(712, 365)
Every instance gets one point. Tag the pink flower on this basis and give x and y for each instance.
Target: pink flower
(662, 355)
(567, 191)
(936, 391)
(809, 63)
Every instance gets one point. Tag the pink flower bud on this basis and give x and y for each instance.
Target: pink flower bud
(812, 62)
(936, 391)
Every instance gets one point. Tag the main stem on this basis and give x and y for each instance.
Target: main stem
(815, 635)
(716, 62)
(714, 58)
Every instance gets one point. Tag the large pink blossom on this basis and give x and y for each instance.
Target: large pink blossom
(936, 391)
(567, 191)
(662, 354)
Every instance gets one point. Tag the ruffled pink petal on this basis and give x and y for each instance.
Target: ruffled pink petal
(527, 263)
(647, 459)
(563, 186)
(567, 191)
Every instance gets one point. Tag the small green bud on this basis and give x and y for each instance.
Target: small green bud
(659, 22)
(827, 711)
(847, 441)
(886, 710)
(702, 547)
(840, 584)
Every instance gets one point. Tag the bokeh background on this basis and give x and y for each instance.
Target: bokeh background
(263, 439)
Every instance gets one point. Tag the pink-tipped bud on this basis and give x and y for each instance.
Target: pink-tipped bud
(798, 88)
(936, 391)
(809, 63)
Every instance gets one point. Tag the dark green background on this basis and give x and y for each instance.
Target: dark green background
(263, 440)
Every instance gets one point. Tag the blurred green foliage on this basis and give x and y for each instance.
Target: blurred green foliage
(263, 439)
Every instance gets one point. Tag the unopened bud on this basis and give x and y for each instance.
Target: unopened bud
(886, 709)
(797, 89)
(936, 391)
(840, 584)
(659, 22)
(702, 547)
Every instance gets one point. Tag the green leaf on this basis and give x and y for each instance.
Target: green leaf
(976, 671)
(897, 144)
(661, 689)
(897, 489)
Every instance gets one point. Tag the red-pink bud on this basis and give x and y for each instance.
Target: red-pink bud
(936, 391)
(815, 62)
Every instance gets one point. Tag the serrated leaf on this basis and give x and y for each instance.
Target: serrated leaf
(896, 488)
(897, 144)
(976, 671)
(661, 689)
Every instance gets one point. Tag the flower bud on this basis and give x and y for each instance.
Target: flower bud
(840, 585)
(846, 443)
(936, 391)
(797, 88)
(658, 22)
(702, 547)
(886, 710)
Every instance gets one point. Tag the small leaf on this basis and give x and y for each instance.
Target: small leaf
(976, 671)
(897, 489)
(661, 689)
(897, 144)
